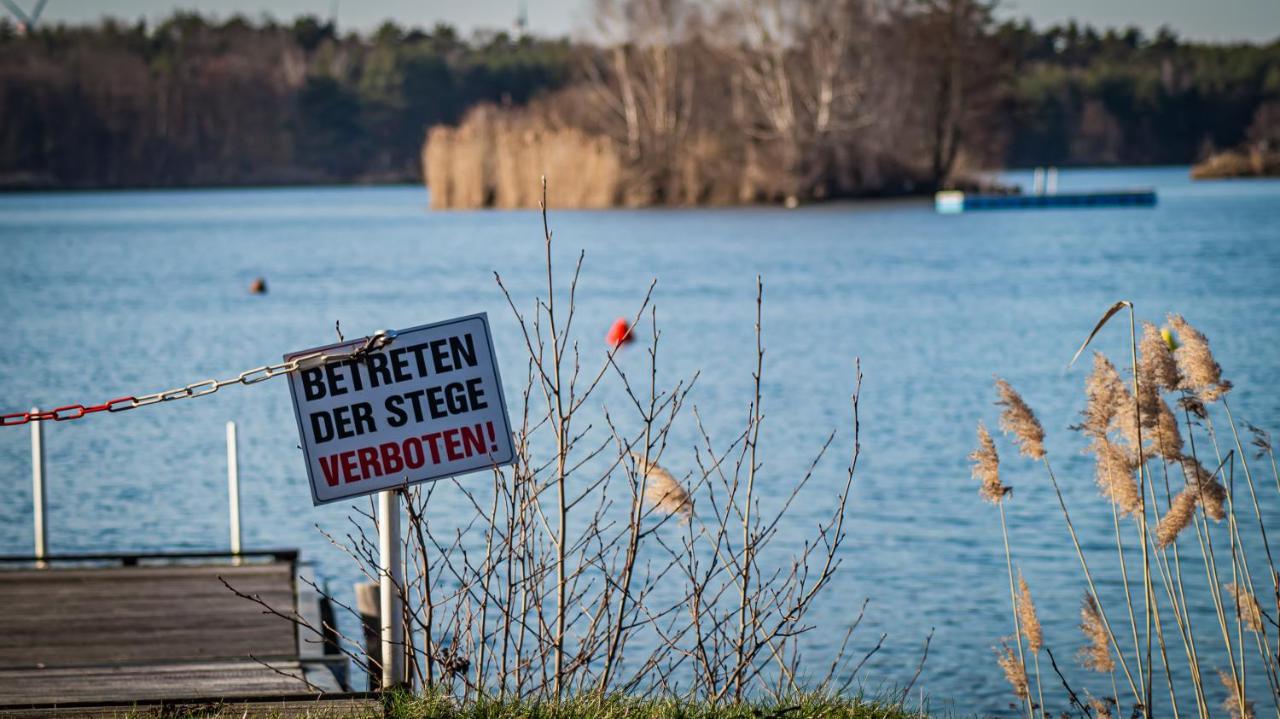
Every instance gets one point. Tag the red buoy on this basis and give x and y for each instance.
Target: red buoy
(619, 333)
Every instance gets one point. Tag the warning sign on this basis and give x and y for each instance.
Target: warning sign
(429, 405)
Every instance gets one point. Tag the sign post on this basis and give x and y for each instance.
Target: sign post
(425, 406)
(233, 490)
(37, 489)
(391, 580)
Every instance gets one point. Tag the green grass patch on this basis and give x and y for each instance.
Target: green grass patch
(803, 706)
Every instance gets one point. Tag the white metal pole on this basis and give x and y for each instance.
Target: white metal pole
(233, 489)
(392, 578)
(37, 489)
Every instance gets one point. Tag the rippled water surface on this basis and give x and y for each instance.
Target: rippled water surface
(104, 294)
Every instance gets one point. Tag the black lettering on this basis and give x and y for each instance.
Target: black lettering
(440, 356)
(421, 358)
(475, 393)
(321, 427)
(312, 384)
(378, 372)
(398, 417)
(363, 416)
(464, 351)
(416, 398)
(435, 402)
(456, 397)
(399, 364)
(342, 421)
(335, 386)
(353, 366)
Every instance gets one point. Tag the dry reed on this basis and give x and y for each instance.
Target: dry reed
(1018, 419)
(1027, 614)
(1247, 607)
(1101, 708)
(1106, 392)
(1097, 655)
(1178, 518)
(1114, 470)
(1014, 671)
(1210, 493)
(1156, 364)
(1201, 373)
(986, 467)
(664, 491)
(1235, 706)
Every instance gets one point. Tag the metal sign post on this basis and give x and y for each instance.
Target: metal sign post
(37, 488)
(391, 574)
(233, 489)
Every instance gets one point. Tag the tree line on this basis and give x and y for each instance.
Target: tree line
(830, 97)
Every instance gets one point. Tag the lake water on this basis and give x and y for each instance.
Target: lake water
(107, 294)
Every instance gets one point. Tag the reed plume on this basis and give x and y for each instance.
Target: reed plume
(1101, 708)
(1166, 438)
(664, 491)
(1209, 492)
(1014, 671)
(1097, 655)
(1018, 419)
(1177, 518)
(1106, 392)
(1201, 373)
(1027, 614)
(986, 467)
(1114, 470)
(1247, 607)
(1157, 367)
(1234, 705)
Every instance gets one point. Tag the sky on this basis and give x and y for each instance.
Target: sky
(1211, 20)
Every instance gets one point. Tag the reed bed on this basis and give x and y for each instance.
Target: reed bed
(1170, 463)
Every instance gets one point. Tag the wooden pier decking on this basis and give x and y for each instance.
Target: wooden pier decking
(152, 630)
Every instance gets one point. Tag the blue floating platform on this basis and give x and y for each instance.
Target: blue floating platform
(950, 202)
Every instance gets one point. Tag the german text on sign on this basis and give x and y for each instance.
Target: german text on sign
(427, 406)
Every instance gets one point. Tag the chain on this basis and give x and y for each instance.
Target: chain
(374, 342)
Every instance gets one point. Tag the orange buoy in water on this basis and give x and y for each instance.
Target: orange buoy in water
(619, 333)
(258, 287)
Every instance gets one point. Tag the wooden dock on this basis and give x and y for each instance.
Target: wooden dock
(952, 202)
(93, 634)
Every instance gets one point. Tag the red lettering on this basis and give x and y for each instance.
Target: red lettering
(473, 440)
(453, 447)
(391, 461)
(348, 460)
(430, 440)
(330, 466)
(413, 457)
(368, 461)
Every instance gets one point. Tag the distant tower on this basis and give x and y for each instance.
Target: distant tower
(522, 20)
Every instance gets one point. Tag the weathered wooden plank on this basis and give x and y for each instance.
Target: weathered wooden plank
(326, 708)
(150, 682)
(80, 617)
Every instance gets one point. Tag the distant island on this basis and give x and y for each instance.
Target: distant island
(682, 109)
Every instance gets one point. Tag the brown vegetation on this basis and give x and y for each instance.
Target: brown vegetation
(693, 104)
(1139, 448)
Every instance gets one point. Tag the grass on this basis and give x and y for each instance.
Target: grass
(590, 706)
(404, 705)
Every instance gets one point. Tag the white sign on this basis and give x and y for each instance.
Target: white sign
(427, 406)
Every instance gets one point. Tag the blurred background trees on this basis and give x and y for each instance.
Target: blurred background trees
(720, 100)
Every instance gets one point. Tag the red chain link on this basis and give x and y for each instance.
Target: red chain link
(71, 411)
(376, 341)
